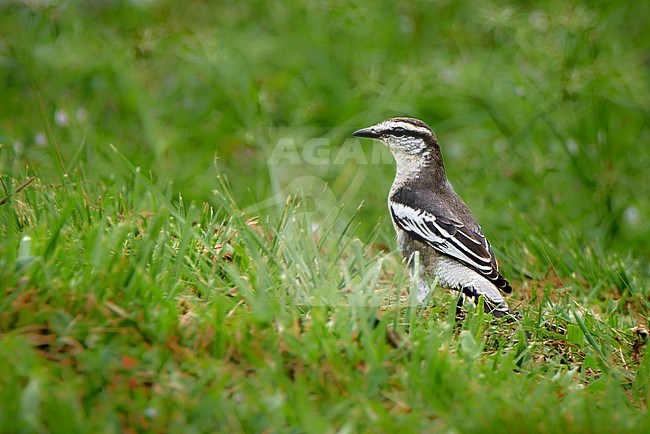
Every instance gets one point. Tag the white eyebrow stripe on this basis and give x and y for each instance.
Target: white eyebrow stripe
(407, 126)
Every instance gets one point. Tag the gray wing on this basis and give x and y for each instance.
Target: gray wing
(452, 238)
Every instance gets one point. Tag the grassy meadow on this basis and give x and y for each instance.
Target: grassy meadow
(191, 240)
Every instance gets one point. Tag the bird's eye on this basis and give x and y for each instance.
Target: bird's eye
(399, 131)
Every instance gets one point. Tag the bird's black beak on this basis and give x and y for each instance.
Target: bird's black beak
(368, 133)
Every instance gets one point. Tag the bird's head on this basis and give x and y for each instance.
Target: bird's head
(404, 136)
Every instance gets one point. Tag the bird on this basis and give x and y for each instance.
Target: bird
(432, 221)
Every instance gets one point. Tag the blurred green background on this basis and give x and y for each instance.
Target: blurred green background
(542, 108)
(123, 308)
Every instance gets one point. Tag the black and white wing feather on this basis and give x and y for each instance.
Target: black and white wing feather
(452, 238)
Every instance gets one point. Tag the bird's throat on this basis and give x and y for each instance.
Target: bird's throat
(419, 167)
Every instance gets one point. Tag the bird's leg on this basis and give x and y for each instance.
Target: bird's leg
(459, 306)
(460, 315)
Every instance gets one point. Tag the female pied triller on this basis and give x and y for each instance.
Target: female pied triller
(430, 218)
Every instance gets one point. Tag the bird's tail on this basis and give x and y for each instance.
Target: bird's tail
(495, 305)
(497, 311)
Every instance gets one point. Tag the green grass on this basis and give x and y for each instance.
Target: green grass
(165, 272)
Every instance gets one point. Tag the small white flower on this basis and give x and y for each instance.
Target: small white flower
(61, 118)
(632, 216)
(18, 147)
(40, 138)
